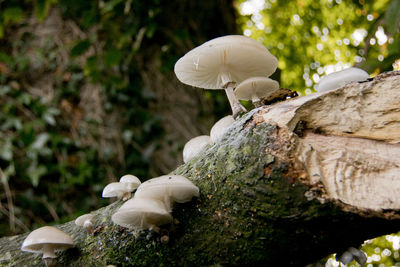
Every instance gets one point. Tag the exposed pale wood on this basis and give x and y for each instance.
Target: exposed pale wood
(370, 110)
(360, 172)
(348, 140)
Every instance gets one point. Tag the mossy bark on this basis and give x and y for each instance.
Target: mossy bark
(255, 207)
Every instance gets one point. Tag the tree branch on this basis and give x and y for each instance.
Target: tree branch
(289, 184)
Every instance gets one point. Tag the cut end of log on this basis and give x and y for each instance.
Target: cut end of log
(348, 141)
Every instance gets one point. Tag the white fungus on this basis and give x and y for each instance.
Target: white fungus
(220, 128)
(169, 189)
(131, 180)
(222, 62)
(119, 190)
(256, 89)
(340, 78)
(142, 213)
(85, 221)
(47, 240)
(194, 146)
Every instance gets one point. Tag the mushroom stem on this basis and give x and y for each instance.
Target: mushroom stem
(229, 85)
(126, 196)
(155, 228)
(50, 262)
(257, 102)
(48, 251)
(237, 108)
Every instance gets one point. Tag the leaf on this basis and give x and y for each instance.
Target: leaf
(4, 90)
(43, 8)
(6, 151)
(392, 17)
(112, 57)
(35, 172)
(80, 48)
(109, 6)
(13, 14)
(91, 68)
(1, 30)
(394, 47)
(40, 141)
(49, 118)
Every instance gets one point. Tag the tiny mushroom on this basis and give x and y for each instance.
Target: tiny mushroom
(194, 146)
(222, 62)
(85, 221)
(346, 258)
(359, 255)
(338, 79)
(220, 128)
(256, 89)
(352, 254)
(142, 213)
(131, 180)
(169, 189)
(119, 190)
(47, 240)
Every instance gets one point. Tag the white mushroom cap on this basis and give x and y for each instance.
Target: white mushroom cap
(231, 58)
(141, 213)
(84, 220)
(132, 181)
(338, 79)
(116, 190)
(256, 88)
(194, 146)
(220, 127)
(46, 240)
(168, 188)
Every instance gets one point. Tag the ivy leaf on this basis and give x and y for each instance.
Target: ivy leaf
(13, 14)
(40, 141)
(80, 48)
(112, 57)
(35, 172)
(6, 149)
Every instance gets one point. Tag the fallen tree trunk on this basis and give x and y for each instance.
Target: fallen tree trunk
(289, 184)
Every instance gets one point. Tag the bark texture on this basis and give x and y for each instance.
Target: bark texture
(288, 184)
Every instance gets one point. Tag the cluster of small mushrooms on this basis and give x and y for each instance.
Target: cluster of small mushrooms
(239, 65)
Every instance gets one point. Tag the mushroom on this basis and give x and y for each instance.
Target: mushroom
(222, 62)
(256, 89)
(164, 239)
(131, 180)
(169, 189)
(47, 240)
(220, 128)
(338, 79)
(352, 254)
(194, 146)
(85, 221)
(142, 213)
(119, 190)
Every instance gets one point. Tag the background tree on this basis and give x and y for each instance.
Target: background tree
(88, 94)
(314, 38)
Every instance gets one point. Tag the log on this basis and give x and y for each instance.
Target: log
(288, 184)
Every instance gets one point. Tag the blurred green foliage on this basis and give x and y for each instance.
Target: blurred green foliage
(313, 38)
(55, 158)
(75, 113)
